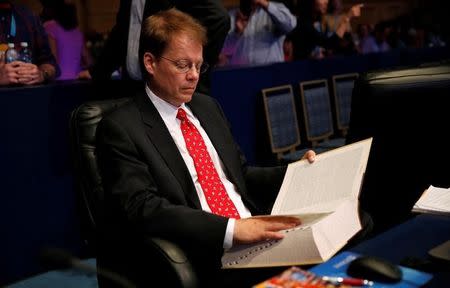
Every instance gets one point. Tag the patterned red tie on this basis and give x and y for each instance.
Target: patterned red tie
(216, 196)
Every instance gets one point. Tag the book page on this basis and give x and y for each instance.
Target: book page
(332, 233)
(334, 177)
(243, 255)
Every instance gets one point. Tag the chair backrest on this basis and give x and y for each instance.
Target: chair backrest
(342, 91)
(281, 117)
(161, 257)
(83, 126)
(317, 114)
(405, 110)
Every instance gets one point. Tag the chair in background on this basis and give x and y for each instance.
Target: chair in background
(315, 99)
(342, 91)
(164, 257)
(282, 124)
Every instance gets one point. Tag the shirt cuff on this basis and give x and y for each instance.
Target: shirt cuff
(228, 240)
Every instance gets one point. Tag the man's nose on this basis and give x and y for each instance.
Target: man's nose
(193, 73)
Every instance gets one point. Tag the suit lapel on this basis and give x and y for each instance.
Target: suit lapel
(214, 127)
(163, 142)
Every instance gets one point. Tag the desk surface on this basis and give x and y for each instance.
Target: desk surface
(413, 238)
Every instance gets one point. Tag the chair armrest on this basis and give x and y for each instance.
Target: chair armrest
(174, 260)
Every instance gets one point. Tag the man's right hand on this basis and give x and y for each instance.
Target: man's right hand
(8, 72)
(260, 228)
(241, 22)
(84, 75)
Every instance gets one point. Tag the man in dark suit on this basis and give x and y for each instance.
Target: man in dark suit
(120, 50)
(153, 171)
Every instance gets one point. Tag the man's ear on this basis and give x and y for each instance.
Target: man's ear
(149, 62)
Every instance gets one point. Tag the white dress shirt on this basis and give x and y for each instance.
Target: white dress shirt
(168, 113)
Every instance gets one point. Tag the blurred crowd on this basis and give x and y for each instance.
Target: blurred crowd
(324, 29)
(260, 32)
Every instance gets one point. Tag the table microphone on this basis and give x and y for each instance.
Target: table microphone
(60, 259)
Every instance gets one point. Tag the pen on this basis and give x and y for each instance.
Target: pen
(348, 281)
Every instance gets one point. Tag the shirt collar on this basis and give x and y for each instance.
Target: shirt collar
(165, 109)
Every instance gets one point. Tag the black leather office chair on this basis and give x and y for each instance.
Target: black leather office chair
(406, 113)
(164, 254)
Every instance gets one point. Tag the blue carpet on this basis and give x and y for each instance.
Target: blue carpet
(69, 278)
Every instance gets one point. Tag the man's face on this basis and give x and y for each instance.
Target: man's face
(167, 80)
(321, 6)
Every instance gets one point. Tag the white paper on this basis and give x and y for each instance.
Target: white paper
(434, 200)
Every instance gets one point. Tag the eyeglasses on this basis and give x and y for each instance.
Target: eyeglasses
(183, 66)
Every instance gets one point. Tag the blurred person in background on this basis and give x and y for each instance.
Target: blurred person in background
(330, 24)
(67, 41)
(366, 41)
(258, 31)
(19, 24)
(309, 38)
(375, 43)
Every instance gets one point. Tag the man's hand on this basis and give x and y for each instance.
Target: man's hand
(84, 75)
(310, 155)
(262, 3)
(8, 72)
(29, 74)
(241, 22)
(355, 11)
(260, 228)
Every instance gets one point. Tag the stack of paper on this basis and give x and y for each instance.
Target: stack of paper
(434, 200)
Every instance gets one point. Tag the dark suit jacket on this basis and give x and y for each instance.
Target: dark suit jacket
(210, 13)
(150, 193)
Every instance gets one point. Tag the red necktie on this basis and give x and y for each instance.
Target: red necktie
(216, 196)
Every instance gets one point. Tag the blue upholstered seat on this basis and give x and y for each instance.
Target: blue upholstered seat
(342, 90)
(317, 115)
(282, 123)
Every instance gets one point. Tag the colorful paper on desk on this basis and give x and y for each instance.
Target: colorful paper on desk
(337, 266)
(295, 277)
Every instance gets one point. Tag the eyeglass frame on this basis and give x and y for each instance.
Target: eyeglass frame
(189, 64)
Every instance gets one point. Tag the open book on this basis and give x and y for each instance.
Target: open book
(324, 195)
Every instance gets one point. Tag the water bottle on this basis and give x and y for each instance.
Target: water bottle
(11, 54)
(25, 53)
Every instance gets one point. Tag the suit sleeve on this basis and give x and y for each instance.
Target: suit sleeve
(132, 192)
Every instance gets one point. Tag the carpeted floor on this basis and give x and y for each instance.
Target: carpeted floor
(60, 278)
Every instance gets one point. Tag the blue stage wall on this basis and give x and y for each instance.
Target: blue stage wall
(238, 90)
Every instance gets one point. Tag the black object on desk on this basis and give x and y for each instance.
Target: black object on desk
(375, 269)
(413, 239)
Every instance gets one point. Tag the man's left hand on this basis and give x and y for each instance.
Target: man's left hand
(310, 155)
(29, 74)
(263, 3)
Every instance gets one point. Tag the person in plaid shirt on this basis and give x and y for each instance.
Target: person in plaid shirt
(19, 24)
